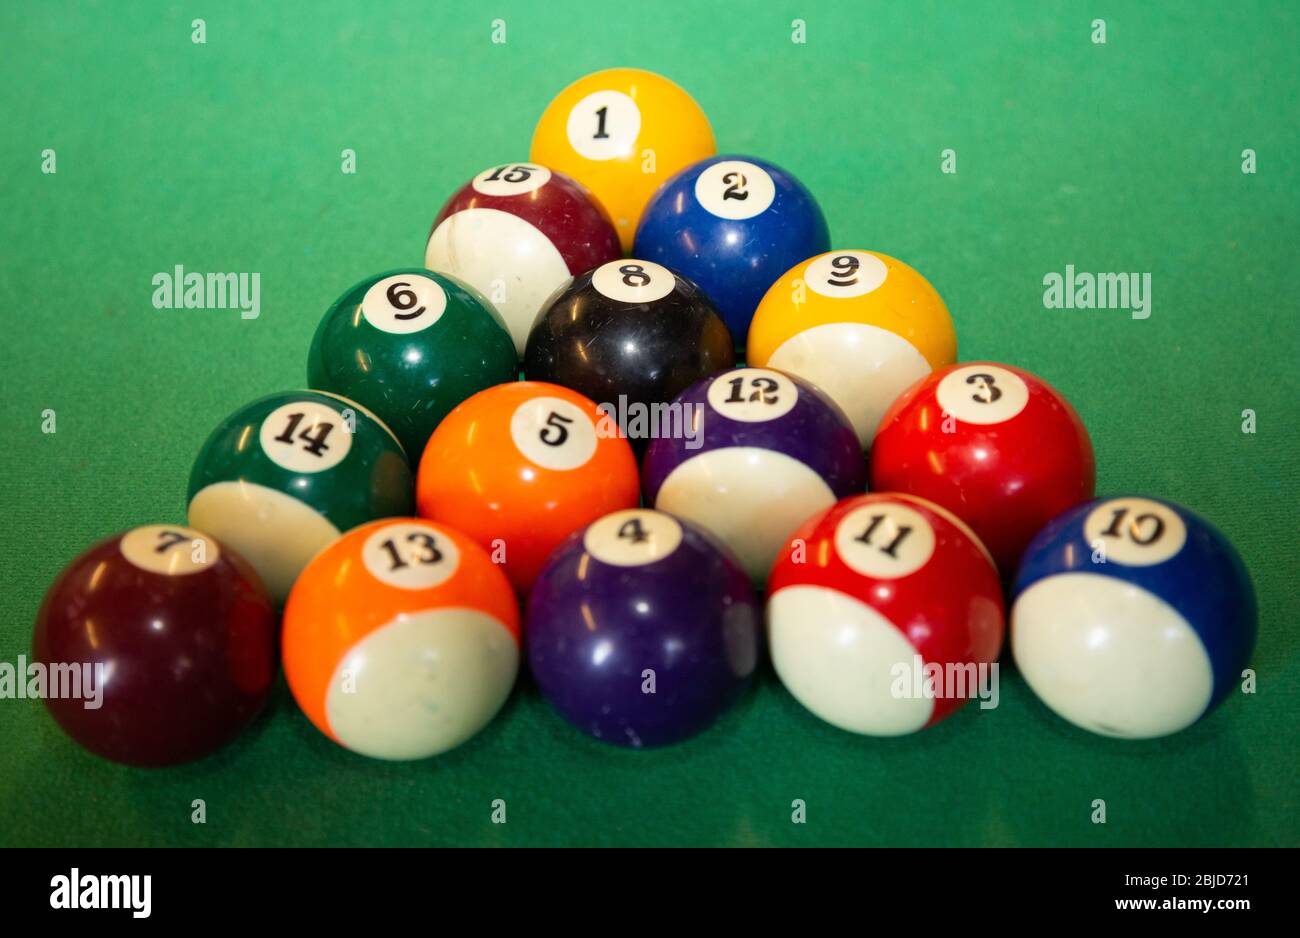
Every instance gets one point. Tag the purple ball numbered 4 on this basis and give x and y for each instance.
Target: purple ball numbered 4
(641, 630)
(760, 453)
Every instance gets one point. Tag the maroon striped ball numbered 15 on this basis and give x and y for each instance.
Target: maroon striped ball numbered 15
(516, 232)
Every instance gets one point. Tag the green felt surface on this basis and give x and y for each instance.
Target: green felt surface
(226, 157)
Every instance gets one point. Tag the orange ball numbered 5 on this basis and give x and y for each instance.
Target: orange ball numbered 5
(401, 639)
(860, 325)
(520, 466)
(621, 133)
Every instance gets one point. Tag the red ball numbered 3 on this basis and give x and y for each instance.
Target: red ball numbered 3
(997, 446)
(883, 613)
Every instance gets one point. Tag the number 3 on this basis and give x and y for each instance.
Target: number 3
(987, 392)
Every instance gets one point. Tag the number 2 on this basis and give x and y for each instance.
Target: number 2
(737, 188)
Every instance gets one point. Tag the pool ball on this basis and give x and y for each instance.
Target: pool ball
(630, 334)
(734, 225)
(860, 325)
(995, 445)
(641, 630)
(410, 345)
(401, 639)
(881, 613)
(521, 466)
(283, 476)
(764, 452)
(515, 233)
(163, 644)
(621, 132)
(1132, 617)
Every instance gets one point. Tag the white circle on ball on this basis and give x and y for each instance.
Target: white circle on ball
(410, 556)
(305, 436)
(1136, 532)
(511, 179)
(632, 538)
(553, 433)
(404, 303)
(884, 540)
(169, 549)
(752, 395)
(735, 189)
(633, 281)
(844, 274)
(604, 125)
(982, 394)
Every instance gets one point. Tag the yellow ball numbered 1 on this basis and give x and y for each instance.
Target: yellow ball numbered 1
(621, 133)
(860, 325)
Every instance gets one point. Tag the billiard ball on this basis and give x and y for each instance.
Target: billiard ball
(630, 334)
(521, 466)
(515, 233)
(733, 225)
(765, 452)
(1132, 617)
(410, 345)
(882, 611)
(401, 639)
(163, 643)
(995, 445)
(860, 325)
(621, 132)
(641, 630)
(283, 476)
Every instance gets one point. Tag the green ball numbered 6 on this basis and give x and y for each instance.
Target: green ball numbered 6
(410, 345)
(285, 475)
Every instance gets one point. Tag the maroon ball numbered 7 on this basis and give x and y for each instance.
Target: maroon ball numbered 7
(170, 638)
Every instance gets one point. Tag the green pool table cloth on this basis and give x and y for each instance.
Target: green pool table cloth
(990, 145)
